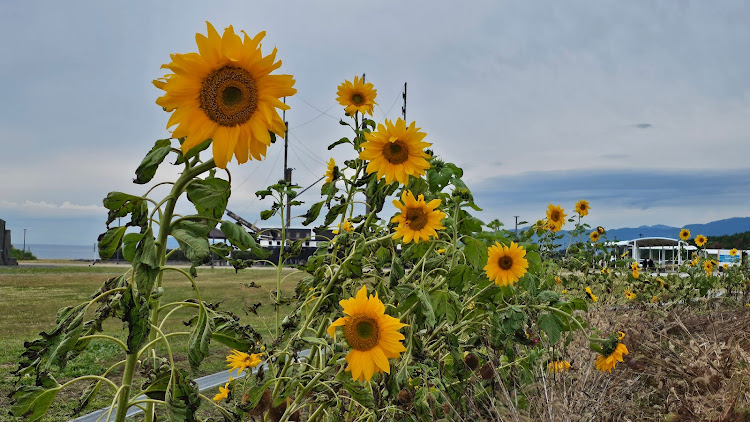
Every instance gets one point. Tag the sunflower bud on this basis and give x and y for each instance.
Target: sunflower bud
(275, 413)
(264, 403)
(405, 397)
(487, 371)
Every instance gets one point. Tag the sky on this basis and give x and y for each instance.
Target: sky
(640, 107)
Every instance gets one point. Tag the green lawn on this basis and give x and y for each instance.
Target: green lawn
(31, 295)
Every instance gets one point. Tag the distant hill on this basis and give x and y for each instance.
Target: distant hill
(714, 228)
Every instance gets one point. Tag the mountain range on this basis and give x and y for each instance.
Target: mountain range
(714, 228)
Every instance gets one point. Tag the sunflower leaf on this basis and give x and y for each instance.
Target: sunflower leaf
(32, 402)
(147, 169)
(360, 394)
(110, 242)
(237, 236)
(200, 339)
(182, 398)
(339, 142)
(210, 196)
(313, 213)
(191, 235)
(135, 313)
(129, 244)
(552, 325)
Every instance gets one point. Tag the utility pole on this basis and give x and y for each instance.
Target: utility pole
(516, 223)
(403, 108)
(24, 240)
(287, 170)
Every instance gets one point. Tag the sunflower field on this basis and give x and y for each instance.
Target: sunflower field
(426, 314)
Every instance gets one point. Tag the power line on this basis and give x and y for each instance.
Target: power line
(314, 156)
(385, 115)
(322, 113)
(301, 161)
(316, 108)
(265, 182)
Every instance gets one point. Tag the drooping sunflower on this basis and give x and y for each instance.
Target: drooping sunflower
(225, 92)
(591, 294)
(372, 335)
(506, 264)
(346, 226)
(555, 217)
(357, 97)
(558, 366)
(594, 236)
(733, 252)
(396, 151)
(330, 171)
(629, 295)
(684, 234)
(601, 230)
(701, 240)
(611, 354)
(418, 219)
(241, 361)
(582, 207)
(635, 269)
(223, 393)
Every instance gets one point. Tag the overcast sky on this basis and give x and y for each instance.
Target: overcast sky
(641, 107)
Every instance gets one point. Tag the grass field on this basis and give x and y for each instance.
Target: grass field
(30, 296)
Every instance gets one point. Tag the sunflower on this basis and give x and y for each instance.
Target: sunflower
(372, 335)
(396, 151)
(223, 393)
(701, 240)
(241, 361)
(417, 220)
(555, 217)
(611, 354)
(636, 270)
(655, 299)
(708, 267)
(357, 97)
(346, 226)
(594, 236)
(331, 171)
(225, 93)
(506, 264)
(605, 270)
(582, 207)
(558, 366)
(733, 252)
(591, 295)
(558, 280)
(601, 230)
(629, 295)
(684, 234)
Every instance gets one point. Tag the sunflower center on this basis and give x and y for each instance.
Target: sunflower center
(505, 262)
(229, 96)
(554, 215)
(396, 152)
(416, 218)
(358, 99)
(362, 332)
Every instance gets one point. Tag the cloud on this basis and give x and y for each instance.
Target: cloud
(54, 210)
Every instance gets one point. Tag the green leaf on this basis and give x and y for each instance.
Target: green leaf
(339, 142)
(121, 204)
(191, 235)
(110, 242)
(313, 213)
(227, 330)
(237, 236)
(551, 325)
(360, 394)
(156, 387)
(476, 252)
(210, 196)
(255, 393)
(427, 309)
(88, 394)
(193, 151)
(266, 214)
(182, 399)
(32, 402)
(135, 313)
(147, 169)
(535, 262)
(547, 296)
(333, 213)
(129, 244)
(200, 339)
(315, 340)
(145, 264)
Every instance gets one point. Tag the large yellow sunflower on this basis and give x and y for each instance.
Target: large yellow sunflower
(330, 171)
(396, 151)
(225, 93)
(372, 335)
(506, 264)
(594, 236)
(241, 361)
(733, 252)
(701, 240)
(684, 234)
(357, 97)
(612, 354)
(582, 207)
(555, 217)
(418, 219)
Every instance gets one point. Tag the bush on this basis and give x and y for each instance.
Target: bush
(21, 255)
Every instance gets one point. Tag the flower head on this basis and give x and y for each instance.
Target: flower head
(684, 234)
(708, 267)
(241, 361)
(558, 280)
(612, 352)
(331, 171)
(733, 252)
(226, 93)
(555, 217)
(396, 151)
(223, 393)
(594, 236)
(629, 295)
(346, 226)
(605, 270)
(558, 366)
(506, 264)
(582, 207)
(701, 240)
(601, 230)
(372, 335)
(418, 219)
(357, 97)
(655, 299)
(591, 295)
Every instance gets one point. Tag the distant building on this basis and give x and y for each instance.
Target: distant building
(5, 247)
